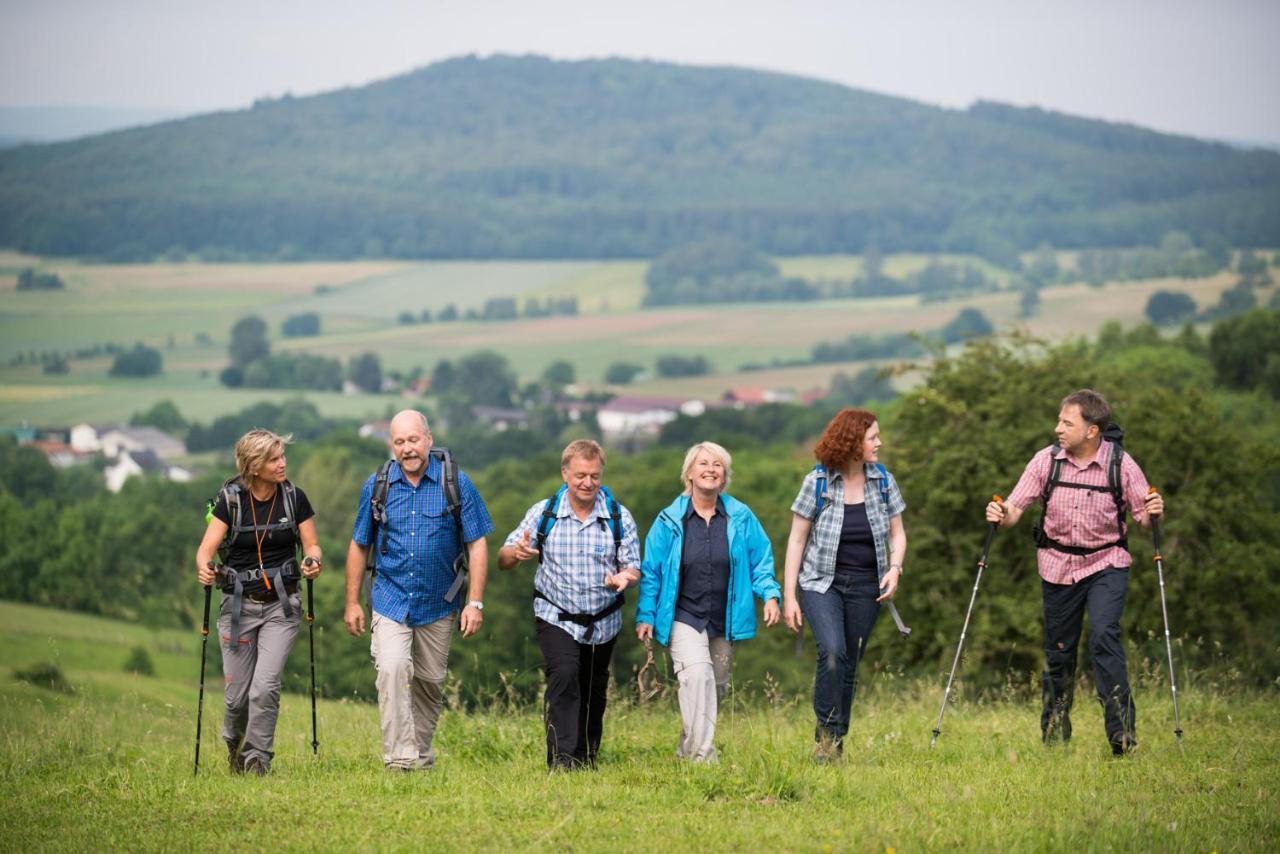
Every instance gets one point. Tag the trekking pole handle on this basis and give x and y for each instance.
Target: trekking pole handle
(991, 532)
(311, 601)
(208, 595)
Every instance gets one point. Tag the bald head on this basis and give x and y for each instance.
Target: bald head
(411, 442)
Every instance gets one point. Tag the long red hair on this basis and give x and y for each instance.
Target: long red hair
(841, 442)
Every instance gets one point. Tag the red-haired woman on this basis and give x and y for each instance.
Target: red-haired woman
(845, 555)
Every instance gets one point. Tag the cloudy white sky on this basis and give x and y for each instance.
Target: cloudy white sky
(1209, 68)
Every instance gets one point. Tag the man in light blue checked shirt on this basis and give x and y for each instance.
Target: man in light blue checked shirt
(412, 622)
(583, 567)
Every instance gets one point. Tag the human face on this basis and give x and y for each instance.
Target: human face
(582, 476)
(410, 444)
(871, 443)
(707, 472)
(1074, 433)
(274, 469)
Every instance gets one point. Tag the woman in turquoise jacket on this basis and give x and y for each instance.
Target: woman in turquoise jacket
(706, 554)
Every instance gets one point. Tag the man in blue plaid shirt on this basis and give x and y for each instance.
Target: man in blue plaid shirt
(582, 570)
(412, 622)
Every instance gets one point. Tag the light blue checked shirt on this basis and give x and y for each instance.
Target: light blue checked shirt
(577, 557)
(422, 543)
(818, 568)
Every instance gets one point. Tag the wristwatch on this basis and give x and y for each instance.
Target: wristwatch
(477, 604)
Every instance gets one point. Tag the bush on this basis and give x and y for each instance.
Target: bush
(30, 280)
(139, 662)
(1168, 308)
(45, 675)
(141, 361)
(301, 325)
(621, 373)
(682, 366)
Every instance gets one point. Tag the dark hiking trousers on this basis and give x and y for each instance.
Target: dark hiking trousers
(577, 688)
(1102, 595)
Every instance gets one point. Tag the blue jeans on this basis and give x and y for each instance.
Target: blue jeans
(841, 620)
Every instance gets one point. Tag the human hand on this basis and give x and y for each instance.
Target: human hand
(311, 567)
(1154, 503)
(523, 549)
(354, 618)
(889, 584)
(207, 574)
(791, 614)
(995, 511)
(644, 632)
(619, 580)
(470, 621)
(771, 612)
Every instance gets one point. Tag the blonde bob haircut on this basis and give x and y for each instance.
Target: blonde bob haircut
(717, 451)
(255, 449)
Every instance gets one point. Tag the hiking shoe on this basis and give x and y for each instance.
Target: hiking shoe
(1124, 745)
(234, 760)
(1058, 730)
(255, 766)
(828, 747)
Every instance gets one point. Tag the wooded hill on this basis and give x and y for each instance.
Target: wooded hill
(530, 157)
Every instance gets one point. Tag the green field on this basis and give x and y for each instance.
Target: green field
(186, 311)
(109, 767)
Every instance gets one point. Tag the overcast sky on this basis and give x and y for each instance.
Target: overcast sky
(1209, 68)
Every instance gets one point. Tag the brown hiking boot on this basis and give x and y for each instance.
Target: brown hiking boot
(255, 766)
(828, 747)
(234, 760)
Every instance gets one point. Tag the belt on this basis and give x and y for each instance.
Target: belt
(270, 596)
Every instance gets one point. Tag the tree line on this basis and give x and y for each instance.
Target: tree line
(1201, 416)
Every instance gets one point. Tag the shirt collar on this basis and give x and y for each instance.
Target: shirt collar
(869, 469)
(433, 470)
(1100, 456)
(719, 511)
(565, 509)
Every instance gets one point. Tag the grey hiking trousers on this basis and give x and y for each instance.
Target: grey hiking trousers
(252, 673)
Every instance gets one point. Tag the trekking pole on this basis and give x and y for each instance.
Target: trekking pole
(1164, 610)
(311, 638)
(204, 646)
(982, 563)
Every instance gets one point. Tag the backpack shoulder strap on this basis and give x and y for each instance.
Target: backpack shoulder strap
(1115, 484)
(819, 490)
(884, 485)
(548, 519)
(1055, 475)
(378, 504)
(449, 480)
(615, 520)
(291, 510)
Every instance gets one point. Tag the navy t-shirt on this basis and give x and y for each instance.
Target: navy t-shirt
(857, 549)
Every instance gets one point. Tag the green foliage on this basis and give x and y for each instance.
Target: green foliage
(719, 270)
(672, 365)
(857, 348)
(485, 378)
(1168, 308)
(139, 662)
(621, 373)
(45, 675)
(1233, 301)
(1245, 351)
(969, 323)
(297, 416)
(529, 157)
(294, 371)
(867, 385)
(30, 280)
(365, 370)
(559, 374)
(301, 325)
(248, 341)
(163, 415)
(141, 361)
(56, 364)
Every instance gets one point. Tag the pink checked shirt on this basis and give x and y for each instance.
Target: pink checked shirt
(1081, 517)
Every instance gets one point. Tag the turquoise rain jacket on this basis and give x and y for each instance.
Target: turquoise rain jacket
(750, 570)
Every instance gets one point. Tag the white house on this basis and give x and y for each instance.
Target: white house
(633, 416)
(158, 442)
(131, 463)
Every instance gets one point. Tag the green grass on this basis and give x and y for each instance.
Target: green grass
(109, 766)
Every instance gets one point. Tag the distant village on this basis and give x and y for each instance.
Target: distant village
(625, 421)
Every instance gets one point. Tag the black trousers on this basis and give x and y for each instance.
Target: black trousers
(1102, 595)
(577, 688)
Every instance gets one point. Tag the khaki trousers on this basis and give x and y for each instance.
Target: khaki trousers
(702, 666)
(411, 665)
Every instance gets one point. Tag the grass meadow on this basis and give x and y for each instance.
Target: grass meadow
(107, 766)
(186, 311)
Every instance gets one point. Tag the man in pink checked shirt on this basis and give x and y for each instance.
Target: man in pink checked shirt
(1083, 555)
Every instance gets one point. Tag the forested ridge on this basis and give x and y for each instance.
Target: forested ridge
(529, 157)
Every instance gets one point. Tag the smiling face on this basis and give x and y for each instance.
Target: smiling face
(410, 442)
(871, 444)
(706, 473)
(582, 476)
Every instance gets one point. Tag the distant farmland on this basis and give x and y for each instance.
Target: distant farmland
(186, 311)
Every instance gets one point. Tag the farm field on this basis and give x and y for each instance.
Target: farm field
(186, 311)
(108, 765)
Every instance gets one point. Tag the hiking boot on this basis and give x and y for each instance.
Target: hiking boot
(1057, 731)
(1124, 744)
(234, 760)
(256, 767)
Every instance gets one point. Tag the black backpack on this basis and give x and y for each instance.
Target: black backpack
(453, 501)
(1113, 434)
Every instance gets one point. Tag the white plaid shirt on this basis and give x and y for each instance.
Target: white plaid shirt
(818, 568)
(576, 558)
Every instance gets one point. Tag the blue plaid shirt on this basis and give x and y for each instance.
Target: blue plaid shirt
(818, 568)
(576, 558)
(422, 543)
